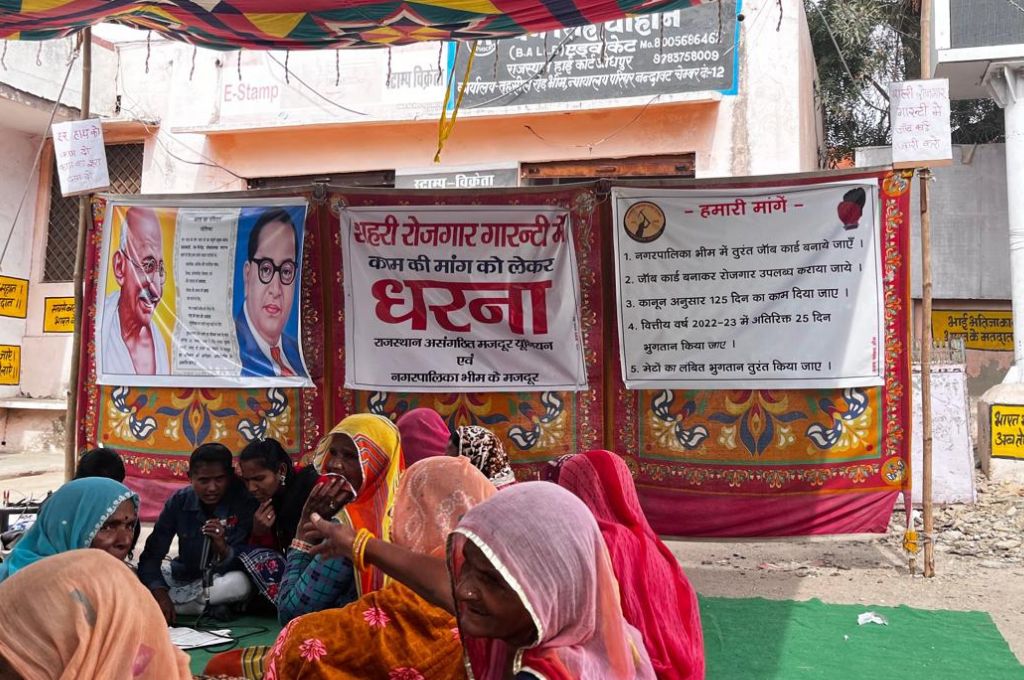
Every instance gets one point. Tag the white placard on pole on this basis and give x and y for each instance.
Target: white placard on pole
(81, 156)
(919, 112)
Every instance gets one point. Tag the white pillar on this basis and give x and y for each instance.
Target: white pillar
(1005, 80)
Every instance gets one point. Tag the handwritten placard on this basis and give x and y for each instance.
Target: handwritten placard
(986, 329)
(1007, 431)
(59, 315)
(81, 156)
(13, 297)
(10, 364)
(919, 112)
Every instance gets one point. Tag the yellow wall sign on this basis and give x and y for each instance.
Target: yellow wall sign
(59, 315)
(1007, 431)
(980, 328)
(13, 297)
(10, 364)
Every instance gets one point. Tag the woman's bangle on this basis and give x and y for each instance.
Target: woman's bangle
(301, 546)
(363, 538)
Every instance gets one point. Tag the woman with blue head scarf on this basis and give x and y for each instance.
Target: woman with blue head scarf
(95, 512)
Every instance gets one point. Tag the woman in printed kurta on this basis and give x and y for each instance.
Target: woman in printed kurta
(391, 633)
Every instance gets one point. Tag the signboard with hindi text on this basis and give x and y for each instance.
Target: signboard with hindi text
(749, 288)
(921, 136)
(458, 178)
(987, 329)
(461, 299)
(665, 55)
(81, 156)
(1007, 431)
(13, 297)
(10, 364)
(59, 315)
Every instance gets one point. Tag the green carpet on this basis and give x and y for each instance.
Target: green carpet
(253, 630)
(760, 639)
(756, 639)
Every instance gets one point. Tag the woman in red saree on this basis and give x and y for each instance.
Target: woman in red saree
(656, 597)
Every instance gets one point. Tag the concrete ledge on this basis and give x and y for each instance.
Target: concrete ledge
(29, 404)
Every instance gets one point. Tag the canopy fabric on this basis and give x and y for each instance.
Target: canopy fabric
(311, 24)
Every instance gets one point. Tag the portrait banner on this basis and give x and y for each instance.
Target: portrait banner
(461, 298)
(201, 293)
(750, 288)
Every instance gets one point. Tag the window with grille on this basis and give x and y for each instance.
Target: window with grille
(124, 162)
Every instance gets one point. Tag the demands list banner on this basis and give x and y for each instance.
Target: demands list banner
(769, 350)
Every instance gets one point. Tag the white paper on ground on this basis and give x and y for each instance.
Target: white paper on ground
(190, 638)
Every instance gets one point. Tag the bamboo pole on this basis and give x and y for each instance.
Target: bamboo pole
(71, 418)
(925, 175)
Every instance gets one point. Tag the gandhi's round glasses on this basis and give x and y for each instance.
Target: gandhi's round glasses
(266, 268)
(151, 267)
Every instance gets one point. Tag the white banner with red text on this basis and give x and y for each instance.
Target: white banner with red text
(461, 299)
(750, 288)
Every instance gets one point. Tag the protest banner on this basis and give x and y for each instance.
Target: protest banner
(750, 289)
(461, 298)
(201, 293)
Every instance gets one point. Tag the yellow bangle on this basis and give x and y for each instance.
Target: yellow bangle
(359, 548)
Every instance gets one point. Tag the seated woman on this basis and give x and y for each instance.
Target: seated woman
(535, 591)
(83, 614)
(85, 513)
(391, 629)
(215, 506)
(485, 451)
(363, 450)
(424, 434)
(365, 453)
(268, 473)
(656, 597)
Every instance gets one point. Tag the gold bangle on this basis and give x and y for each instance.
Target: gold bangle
(359, 548)
(362, 538)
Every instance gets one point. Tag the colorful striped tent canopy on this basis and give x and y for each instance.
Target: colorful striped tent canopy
(312, 24)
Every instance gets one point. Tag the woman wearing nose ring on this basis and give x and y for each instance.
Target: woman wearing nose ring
(363, 455)
(86, 513)
(536, 597)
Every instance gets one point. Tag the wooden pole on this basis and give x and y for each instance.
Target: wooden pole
(71, 421)
(925, 176)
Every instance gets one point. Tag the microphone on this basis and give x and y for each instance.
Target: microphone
(206, 565)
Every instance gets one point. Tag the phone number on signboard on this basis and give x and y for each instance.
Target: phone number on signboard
(680, 57)
(687, 40)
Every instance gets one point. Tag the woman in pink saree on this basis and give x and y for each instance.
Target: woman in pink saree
(656, 596)
(535, 594)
